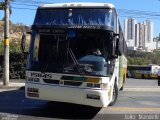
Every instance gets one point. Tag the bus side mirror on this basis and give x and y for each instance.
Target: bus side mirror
(118, 50)
(23, 42)
(115, 35)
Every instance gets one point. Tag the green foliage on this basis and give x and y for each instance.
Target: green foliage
(143, 58)
(16, 31)
(15, 46)
(2, 5)
(1, 47)
(17, 61)
(17, 66)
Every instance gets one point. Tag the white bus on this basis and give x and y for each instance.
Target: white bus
(77, 54)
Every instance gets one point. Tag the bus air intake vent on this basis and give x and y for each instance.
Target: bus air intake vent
(72, 83)
(51, 81)
(65, 82)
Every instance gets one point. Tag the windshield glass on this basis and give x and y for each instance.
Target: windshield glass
(74, 17)
(85, 53)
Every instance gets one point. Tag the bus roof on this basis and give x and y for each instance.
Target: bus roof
(77, 4)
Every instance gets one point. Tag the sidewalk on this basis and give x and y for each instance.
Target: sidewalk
(13, 84)
(143, 89)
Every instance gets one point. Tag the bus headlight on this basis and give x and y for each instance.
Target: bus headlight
(90, 85)
(104, 86)
(97, 85)
(93, 85)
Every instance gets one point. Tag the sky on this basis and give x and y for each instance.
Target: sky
(23, 11)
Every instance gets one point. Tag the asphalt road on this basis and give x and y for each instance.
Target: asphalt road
(139, 98)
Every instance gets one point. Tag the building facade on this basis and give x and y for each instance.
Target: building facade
(149, 44)
(139, 35)
(129, 31)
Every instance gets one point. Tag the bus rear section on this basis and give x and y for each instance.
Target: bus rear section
(78, 58)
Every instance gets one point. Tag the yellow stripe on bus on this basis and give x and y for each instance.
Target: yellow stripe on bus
(93, 80)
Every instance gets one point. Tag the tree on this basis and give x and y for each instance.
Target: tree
(143, 58)
(2, 5)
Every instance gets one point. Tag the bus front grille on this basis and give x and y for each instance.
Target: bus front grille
(72, 83)
(63, 82)
(51, 81)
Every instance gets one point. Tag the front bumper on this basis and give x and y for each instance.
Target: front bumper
(90, 97)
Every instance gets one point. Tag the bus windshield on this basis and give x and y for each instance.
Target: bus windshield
(87, 53)
(74, 17)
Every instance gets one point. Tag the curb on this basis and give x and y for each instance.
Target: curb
(12, 86)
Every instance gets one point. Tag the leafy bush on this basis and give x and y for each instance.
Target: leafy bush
(17, 66)
(143, 58)
(17, 61)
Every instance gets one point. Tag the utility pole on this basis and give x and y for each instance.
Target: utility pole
(6, 45)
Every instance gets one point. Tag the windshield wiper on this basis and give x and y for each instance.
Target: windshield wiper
(75, 61)
(44, 68)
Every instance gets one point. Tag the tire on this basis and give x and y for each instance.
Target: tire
(115, 95)
(142, 76)
(158, 81)
(121, 89)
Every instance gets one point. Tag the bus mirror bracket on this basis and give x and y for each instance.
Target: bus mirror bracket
(117, 49)
(116, 35)
(28, 32)
(114, 56)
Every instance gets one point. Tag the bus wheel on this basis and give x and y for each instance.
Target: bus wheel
(158, 81)
(115, 95)
(122, 87)
(142, 76)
